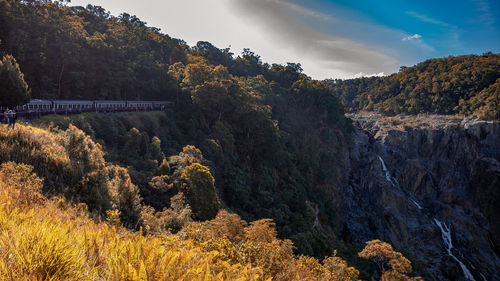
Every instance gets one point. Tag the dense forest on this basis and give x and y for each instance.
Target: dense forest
(53, 238)
(86, 53)
(271, 137)
(453, 85)
(237, 180)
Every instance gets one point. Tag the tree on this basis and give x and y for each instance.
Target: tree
(13, 89)
(199, 187)
(124, 196)
(391, 264)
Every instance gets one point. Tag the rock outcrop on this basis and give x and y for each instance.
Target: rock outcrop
(429, 186)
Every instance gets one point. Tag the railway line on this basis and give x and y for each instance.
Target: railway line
(37, 108)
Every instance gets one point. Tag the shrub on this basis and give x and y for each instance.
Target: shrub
(200, 191)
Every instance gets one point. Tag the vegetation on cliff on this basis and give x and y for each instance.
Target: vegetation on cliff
(264, 141)
(267, 160)
(13, 89)
(453, 85)
(272, 137)
(52, 238)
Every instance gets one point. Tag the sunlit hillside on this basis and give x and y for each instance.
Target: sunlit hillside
(55, 238)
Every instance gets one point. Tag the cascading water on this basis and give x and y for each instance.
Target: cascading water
(388, 176)
(446, 234)
(445, 230)
(416, 204)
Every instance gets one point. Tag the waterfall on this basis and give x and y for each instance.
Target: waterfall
(446, 234)
(445, 230)
(388, 176)
(416, 204)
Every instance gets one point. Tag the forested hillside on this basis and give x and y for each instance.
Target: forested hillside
(86, 53)
(273, 138)
(453, 85)
(250, 170)
(59, 239)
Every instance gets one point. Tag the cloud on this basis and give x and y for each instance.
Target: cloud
(414, 36)
(332, 42)
(322, 53)
(302, 10)
(450, 33)
(361, 74)
(428, 19)
(485, 15)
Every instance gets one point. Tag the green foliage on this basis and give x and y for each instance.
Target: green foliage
(13, 89)
(72, 165)
(463, 84)
(200, 191)
(124, 196)
(85, 53)
(269, 152)
(272, 137)
(486, 104)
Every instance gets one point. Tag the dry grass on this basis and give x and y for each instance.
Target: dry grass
(52, 239)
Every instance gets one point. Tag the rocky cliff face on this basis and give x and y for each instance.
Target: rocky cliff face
(430, 187)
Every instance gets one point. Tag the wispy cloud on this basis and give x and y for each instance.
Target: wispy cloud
(301, 9)
(428, 19)
(362, 74)
(485, 15)
(449, 32)
(318, 49)
(414, 36)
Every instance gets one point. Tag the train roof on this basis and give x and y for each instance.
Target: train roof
(163, 101)
(148, 101)
(38, 101)
(110, 101)
(72, 101)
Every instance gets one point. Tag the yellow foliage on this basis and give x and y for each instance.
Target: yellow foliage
(34, 144)
(393, 265)
(52, 239)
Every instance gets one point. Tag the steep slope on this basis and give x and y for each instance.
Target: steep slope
(427, 185)
(53, 239)
(463, 84)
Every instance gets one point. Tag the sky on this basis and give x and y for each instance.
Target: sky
(329, 38)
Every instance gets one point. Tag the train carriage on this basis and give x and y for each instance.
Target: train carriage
(110, 104)
(161, 104)
(72, 105)
(143, 105)
(35, 105)
(38, 107)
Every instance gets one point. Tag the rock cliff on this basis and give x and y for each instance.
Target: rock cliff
(429, 185)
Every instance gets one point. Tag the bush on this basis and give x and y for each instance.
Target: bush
(200, 191)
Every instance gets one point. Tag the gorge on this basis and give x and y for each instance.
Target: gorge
(426, 184)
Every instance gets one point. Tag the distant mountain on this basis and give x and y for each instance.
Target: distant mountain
(453, 85)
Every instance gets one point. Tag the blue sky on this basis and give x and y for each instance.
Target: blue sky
(330, 38)
(443, 27)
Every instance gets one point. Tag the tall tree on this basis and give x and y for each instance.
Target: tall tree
(13, 89)
(200, 191)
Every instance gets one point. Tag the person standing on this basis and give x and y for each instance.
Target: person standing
(14, 118)
(7, 116)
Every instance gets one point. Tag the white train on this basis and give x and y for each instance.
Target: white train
(38, 105)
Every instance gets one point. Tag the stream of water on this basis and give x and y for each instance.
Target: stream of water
(446, 234)
(388, 176)
(445, 230)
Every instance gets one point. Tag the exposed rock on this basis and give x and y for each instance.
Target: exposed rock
(430, 167)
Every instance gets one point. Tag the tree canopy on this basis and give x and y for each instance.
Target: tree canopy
(13, 89)
(453, 85)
